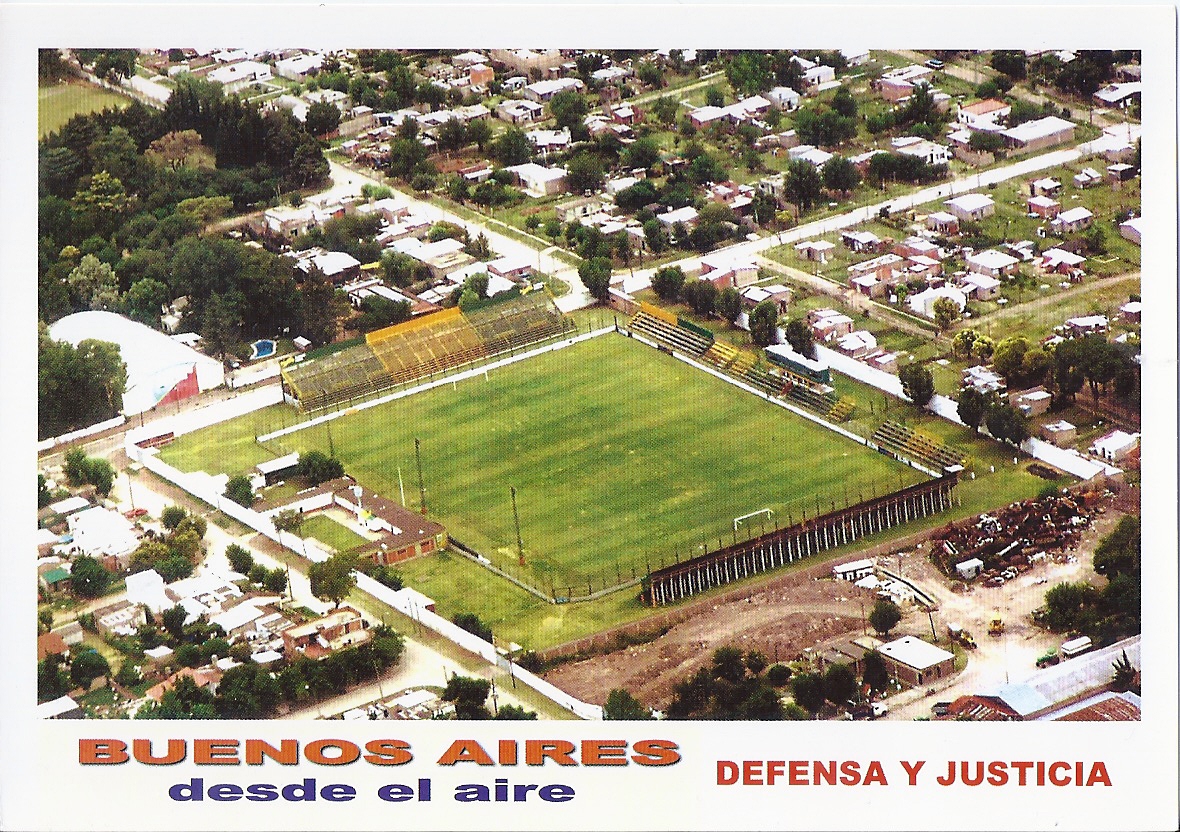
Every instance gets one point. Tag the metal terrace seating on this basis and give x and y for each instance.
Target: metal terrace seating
(911, 444)
(670, 334)
(721, 354)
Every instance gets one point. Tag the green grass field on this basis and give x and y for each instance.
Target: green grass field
(328, 531)
(59, 103)
(621, 457)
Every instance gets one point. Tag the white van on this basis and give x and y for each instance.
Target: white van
(1076, 646)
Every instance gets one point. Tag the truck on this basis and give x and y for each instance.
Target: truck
(1048, 659)
(957, 633)
(1076, 646)
(995, 627)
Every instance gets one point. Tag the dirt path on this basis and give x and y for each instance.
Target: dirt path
(1073, 293)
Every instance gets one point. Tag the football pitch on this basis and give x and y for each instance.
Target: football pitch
(621, 456)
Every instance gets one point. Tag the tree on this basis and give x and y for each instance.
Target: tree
(1011, 62)
(764, 323)
(946, 312)
(621, 705)
(144, 301)
(1007, 424)
(839, 684)
(664, 109)
(247, 691)
(52, 680)
(257, 574)
(93, 285)
(700, 295)
(275, 581)
(317, 467)
(88, 578)
(876, 672)
(1118, 553)
(778, 674)
(729, 304)
(238, 489)
(595, 274)
(986, 142)
(798, 334)
(844, 103)
(452, 135)
(802, 185)
(714, 97)
(644, 152)
(963, 344)
(479, 133)
(171, 516)
(1125, 676)
(86, 666)
(667, 282)
(584, 173)
(240, 559)
(973, 407)
(568, 109)
(884, 616)
(174, 568)
(322, 117)
(174, 149)
(840, 175)
(917, 383)
(808, 691)
(468, 694)
(512, 147)
(173, 620)
(332, 579)
(471, 622)
(514, 712)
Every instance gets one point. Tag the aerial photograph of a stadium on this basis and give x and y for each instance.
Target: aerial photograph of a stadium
(623, 384)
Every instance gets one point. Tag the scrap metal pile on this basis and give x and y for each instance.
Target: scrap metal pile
(1013, 538)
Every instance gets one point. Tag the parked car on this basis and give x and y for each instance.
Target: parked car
(941, 708)
(934, 63)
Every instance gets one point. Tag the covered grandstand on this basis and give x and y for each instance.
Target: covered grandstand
(160, 370)
(423, 347)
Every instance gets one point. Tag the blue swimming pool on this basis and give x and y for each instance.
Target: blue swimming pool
(262, 349)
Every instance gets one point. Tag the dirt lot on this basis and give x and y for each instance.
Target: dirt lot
(797, 611)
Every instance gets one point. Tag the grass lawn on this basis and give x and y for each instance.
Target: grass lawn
(59, 103)
(327, 531)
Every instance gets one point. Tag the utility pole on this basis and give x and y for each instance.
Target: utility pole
(516, 520)
(421, 482)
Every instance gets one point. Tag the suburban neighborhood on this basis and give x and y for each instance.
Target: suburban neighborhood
(573, 384)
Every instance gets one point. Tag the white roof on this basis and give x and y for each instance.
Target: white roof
(531, 170)
(942, 216)
(707, 113)
(147, 589)
(1088, 321)
(1132, 307)
(158, 652)
(56, 707)
(815, 245)
(1057, 427)
(1114, 93)
(1113, 442)
(854, 566)
(69, 504)
(1055, 256)
(685, 214)
(235, 72)
(300, 63)
(414, 698)
(1038, 128)
(236, 617)
(982, 281)
(1074, 215)
(970, 202)
(554, 85)
(102, 531)
(914, 652)
(155, 362)
(973, 563)
(858, 340)
(1042, 201)
(992, 259)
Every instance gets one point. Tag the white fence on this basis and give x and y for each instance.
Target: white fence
(46, 444)
(199, 487)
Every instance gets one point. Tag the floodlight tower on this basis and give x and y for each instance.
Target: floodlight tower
(421, 482)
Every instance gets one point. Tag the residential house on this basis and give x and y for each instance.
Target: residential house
(1045, 186)
(987, 111)
(886, 362)
(1042, 132)
(855, 56)
(817, 250)
(724, 271)
(51, 644)
(1120, 172)
(341, 628)
(979, 286)
(299, 67)
(207, 678)
(778, 294)
(1043, 207)
(1119, 95)
(860, 241)
(922, 303)
(873, 277)
(121, 618)
(915, 662)
(1132, 230)
(520, 112)
(543, 91)
(61, 708)
(972, 207)
(101, 532)
(1086, 325)
(818, 75)
(1073, 220)
(337, 266)
(1115, 445)
(467, 59)
(827, 324)
(236, 77)
(1131, 312)
(1060, 261)
(574, 209)
(1086, 178)
(941, 222)
(480, 75)
(687, 215)
(810, 153)
(854, 570)
(899, 83)
(1031, 402)
(784, 98)
(537, 180)
(548, 141)
(512, 268)
(1060, 433)
(288, 221)
(929, 152)
(857, 344)
(982, 379)
(915, 246)
(992, 263)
